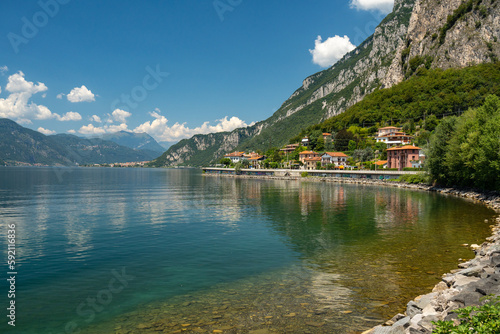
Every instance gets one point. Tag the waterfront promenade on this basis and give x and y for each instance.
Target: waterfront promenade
(347, 174)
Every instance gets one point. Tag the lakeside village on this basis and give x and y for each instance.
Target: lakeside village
(393, 151)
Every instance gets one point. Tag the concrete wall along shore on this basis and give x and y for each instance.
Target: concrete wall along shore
(296, 173)
(462, 287)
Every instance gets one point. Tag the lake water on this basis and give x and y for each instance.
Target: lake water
(107, 250)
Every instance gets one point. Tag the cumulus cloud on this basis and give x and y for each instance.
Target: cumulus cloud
(91, 130)
(69, 116)
(117, 115)
(383, 6)
(160, 130)
(120, 116)
(17, 105)
(116, 128)
(3, 69)
(17, 84)
(72, 131)
(80, 94)
(45, 131)
(327, 53)
(60, 96)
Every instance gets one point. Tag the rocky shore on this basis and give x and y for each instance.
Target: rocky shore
(462, 287)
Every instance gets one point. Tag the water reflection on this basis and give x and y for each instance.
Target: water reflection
(303, 246)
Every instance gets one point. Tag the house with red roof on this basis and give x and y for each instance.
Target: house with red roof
(235, 156)
(334, 158)
(402, 157)
(307, 154)
(311, 163)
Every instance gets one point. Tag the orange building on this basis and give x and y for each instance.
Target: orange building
(311, 163)
(307, 154)
(401, 157)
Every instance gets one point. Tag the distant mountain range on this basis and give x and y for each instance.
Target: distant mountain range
(21, 145)
(138, 141)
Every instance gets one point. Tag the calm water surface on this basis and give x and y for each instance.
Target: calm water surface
(147, 251)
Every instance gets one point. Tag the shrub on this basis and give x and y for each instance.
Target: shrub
(414, 178)
(304, 174)
(483, 319)
(237, 168)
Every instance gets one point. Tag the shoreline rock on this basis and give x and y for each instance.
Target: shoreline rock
(462, 287)
(476, 279)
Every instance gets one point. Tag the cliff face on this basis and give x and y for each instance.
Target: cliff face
(418, 33)
(447, 34)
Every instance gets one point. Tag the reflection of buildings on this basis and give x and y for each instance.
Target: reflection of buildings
(393, 209)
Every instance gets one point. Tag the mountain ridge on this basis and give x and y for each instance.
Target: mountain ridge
(139, 141)
(22, 145)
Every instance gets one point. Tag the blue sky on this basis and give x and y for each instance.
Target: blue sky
(172, 68)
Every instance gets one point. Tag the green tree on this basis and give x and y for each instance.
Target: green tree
(437, 149)
(329, 144)
(342, 139)
(225, 161)
(237, 168)
(465, 151)
(352, 146)
(320, 144)
(363, 155)
(473, 158)
(430, 122)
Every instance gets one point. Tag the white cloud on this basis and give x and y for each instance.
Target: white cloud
(327, 53)
(116, 128)
(95, 118)
(81, 94)
(72, 131)
(160, 130)
(91, 130)
(70, 116)
(60, 96)
(17, 84)
(120, 115)
(384, 6)
(45, 131)
(98, 130)
(3, 69)
(17, 105)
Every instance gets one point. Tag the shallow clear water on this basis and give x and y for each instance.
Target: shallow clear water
(146, 251)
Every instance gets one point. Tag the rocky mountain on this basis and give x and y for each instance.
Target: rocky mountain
(99, 151)
(21, 145)
(418, 33)
(138, 141)
(24, 145)
(447, 34)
